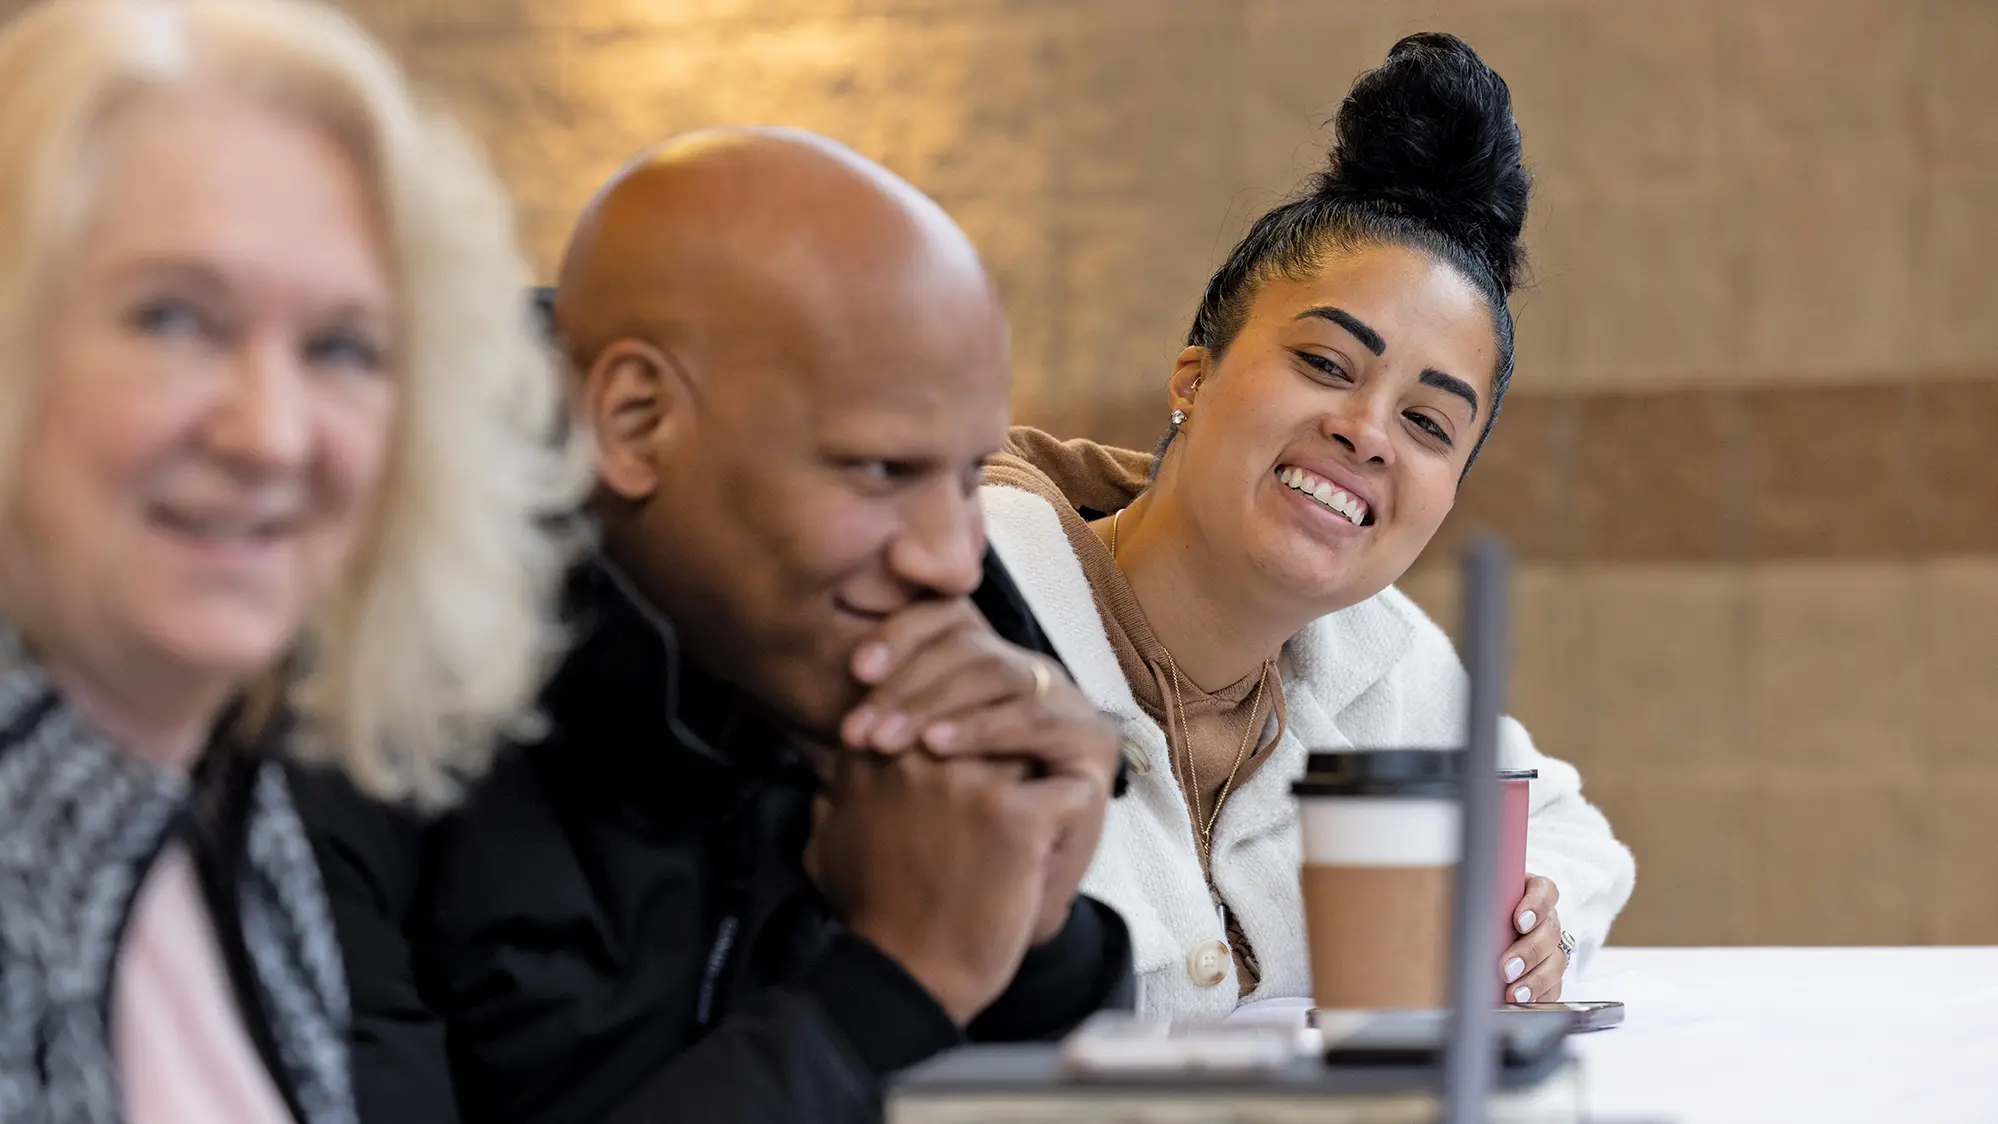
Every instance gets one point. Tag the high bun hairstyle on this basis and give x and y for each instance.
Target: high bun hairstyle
(1427, 156)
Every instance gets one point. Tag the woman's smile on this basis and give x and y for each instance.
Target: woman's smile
(1331, 489)
(1324, 509)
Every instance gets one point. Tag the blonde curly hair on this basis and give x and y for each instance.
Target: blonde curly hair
(429, 650)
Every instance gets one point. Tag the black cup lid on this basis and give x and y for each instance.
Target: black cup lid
(1382, 772)
(1389, 772)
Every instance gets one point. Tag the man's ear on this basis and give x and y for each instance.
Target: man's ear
(639, 406)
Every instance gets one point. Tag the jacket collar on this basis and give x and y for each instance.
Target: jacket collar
(1341, 655)
(1025, 531)
(625, 671)
(620, 629)
(628, 681)
(1335, 658)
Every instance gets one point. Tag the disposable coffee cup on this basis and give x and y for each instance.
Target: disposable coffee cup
(1382, 833)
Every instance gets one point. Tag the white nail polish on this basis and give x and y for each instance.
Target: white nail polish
(1521, 994)
(1526, 921)
(1513, 968)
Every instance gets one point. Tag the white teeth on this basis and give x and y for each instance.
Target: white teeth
(1350, 506)
(1336, 499)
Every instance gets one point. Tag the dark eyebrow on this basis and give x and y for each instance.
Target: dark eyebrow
(1450, 384)
(1367, 336)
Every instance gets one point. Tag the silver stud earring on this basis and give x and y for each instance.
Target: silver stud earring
(1178, 418)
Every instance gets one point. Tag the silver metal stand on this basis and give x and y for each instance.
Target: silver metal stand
(1470, 1053)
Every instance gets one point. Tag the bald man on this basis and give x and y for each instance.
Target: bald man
(816, 795)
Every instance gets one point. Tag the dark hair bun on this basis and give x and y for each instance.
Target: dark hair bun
(1431, 133)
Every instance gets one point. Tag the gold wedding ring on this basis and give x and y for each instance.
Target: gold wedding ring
(1041, 678)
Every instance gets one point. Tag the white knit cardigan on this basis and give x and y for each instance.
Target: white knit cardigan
(1380, 674)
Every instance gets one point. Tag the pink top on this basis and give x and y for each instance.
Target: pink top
(182, 1050)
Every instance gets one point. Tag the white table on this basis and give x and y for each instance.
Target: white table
(1886, 1035)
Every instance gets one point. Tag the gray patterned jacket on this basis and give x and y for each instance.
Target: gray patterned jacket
(81, 824)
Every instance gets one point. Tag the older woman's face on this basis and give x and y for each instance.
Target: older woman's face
(214, 392)
(1324, 450)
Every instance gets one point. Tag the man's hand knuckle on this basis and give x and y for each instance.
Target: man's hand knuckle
(963, 618)
(1001, 665)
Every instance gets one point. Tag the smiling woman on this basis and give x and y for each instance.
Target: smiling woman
(275, 474)
(1230, 600)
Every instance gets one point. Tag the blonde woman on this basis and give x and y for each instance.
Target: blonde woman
(273, 455)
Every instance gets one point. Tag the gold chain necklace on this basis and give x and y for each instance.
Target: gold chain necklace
(1206, 829)
(1241, 752)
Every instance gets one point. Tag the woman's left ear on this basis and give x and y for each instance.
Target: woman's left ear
(1187, 372)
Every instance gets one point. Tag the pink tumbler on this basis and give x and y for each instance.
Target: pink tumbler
(1514, 787)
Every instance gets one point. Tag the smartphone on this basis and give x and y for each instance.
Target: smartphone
(1585, 1017)
(1525, 1039)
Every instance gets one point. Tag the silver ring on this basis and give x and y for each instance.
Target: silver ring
(1041, 678)
(1567, 944)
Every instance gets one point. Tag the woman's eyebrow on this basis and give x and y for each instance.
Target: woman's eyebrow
(1367, 336)
(1450, 384)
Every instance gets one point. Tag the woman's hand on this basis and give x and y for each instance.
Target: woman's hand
(1533, 966)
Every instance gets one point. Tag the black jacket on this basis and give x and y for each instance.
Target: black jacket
(616, 924)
